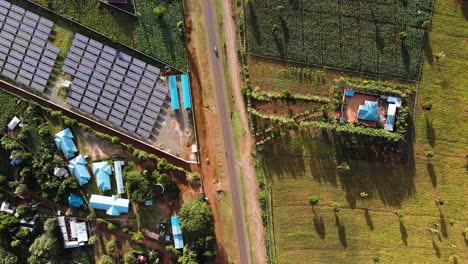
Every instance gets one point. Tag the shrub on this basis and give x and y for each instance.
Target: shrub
(69, 212)
(343, 167)
(110, 246)
(363, 195)
(93, 239)
(426, 24)
(262, 199)
(400, 214)
(280, 8)
(336, 207)
(115, 140)
(313, 200)
(440, 201)
(427, 106)
(110, 226)
(403, 35)
(376, 259)
(159, 10)
(430, 154)
(275, 27)
(286, 93)
(21, 189)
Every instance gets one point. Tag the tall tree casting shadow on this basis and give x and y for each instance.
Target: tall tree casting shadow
(443, 223)
(430, 132)
(432, 174)
(341, 231)
(428, 48)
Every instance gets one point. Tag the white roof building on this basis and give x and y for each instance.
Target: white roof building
(13, 123)
(78, 235)
(6, 208)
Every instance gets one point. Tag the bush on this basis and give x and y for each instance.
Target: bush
(105, 259)
(262, 199)
(313, 200)
(21, 189)
(427, 106)
(275, 27)
(363, 195)
(110, 247)
(430, 154)
(403, 35)
(336, 207)
(280, 8)
(110, 226)
(440, 201)
(22, 210)
(426, 24)
(400, 214)
(93, 239)
(159, 10)
(376, 259)
(69, 212)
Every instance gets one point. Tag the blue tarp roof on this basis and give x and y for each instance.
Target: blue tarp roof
(75, 201)
(78, 168)
(102, 170)
(368, 111)
(186, 91)
(174, 92)
(349, 93)
(177, 233)
(112, 204)
(64, 140)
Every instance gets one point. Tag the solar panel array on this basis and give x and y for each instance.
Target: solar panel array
(114, 86)
(25, 54)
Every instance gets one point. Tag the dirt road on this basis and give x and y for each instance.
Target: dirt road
(224, 116)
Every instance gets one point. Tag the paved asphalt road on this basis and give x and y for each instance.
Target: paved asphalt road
(224, 116)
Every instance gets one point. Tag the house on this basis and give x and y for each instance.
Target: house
(112, 204)
(368, 111)
(102, 170)
(64, 141)
(7, 208)
(77, 167)
(118, 176)
(177, 233)
(75, 234)
(75, 201)
(15, 121)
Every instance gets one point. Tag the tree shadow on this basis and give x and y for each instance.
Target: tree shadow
(430, 132)
(284, 27)
(436, 248)
(319, 225)
(428, 48)
(341, 231)
(254, 25)
(432, 174)
(405, 55)
(404, 233)
(443, 223)
(369, 222)
(464, 9)
(279, 44)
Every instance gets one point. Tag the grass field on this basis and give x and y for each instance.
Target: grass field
(363, 36)
(156, 37)
(301, 166)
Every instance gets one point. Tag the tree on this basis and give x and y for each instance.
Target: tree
(429, 154)
(69, 212)
(22, 234)
(275, 27)
(280, 8)
(7, 257)
(138, 187)
(188, 257)
(159, 10)
(170, 186)
(105, 259)
(138, 236)
(44, 249)
(129, 257)
(403, 35)
(110, 247)
(21, 189)
(8, 223)
(313, 200)
(51, 226)
(22, 210)
(15, 243)
(336, 207)
(343, 167)
(93, 239)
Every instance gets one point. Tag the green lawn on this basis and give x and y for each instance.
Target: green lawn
(300, 166)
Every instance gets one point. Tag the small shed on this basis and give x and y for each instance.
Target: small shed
(177, 233)
(15, 121)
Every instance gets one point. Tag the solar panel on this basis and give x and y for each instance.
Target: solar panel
(150, 75)
(26, 74)
(156, 101)
(162, 88)
(18, 9)
(13, 69)
(15, 16)
(77, 89)
(45, 67)
(123, 101)
(102, 70)
(27, 28)
(48, 61)
(94, 89)
(86, 108)
(104, 63)
(87, 63)
(44, 28)
(134, 76)
(28, 67)
(110, 50)
(120, 107)
(114, 75)
(76, 51)
(90, 56)
(101, 114)
(80, 82)
(111, 88)
(41, 35)
(125, 95)
(4, 49)
(3, 11)
(148, 82)
(153, 107)
(142, 87)
(23, 80)
(129, 127)
(5, 42)
(52, 48)
(136, 69)
(96, 82)
(135, 114)
(143, 133)
(122, 63)
(108, 57)
(151, 114)
(139, 101)
(124, 57)
(46, 22)
(38, 41)
(18, 48)
(130, 82)
(115, 120)
(95, 44)
(30, 22)
(25, 38)
(78, 44)
(32, 16)
(113, 82)
(43, 74)
(72, 102)
(81, 37)
(70, 63)
(146, 126)
(117, 114)
(5, 4)
(160, 95)
(90, 102)
(131, 120)
(134, 106)
(50, 54)
(141, 94)
(8, 73)
(85, 70)
(12, 23)
(109, 95)
(139, 63)
(75, 95)
(35, 48)
(93, 50)
(153, 69)
(37, 87)
(31, 61)
(14, 61)
(119, 69)
(69, 70)
(7, 35)
(3, 57)
(10, 29)
(103, 108)
(40, 80)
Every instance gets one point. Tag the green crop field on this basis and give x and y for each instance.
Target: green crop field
(9, 108)
(305, 164)
(361, 36)
(158, 38)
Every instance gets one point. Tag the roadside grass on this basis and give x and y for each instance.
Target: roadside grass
(298, 168)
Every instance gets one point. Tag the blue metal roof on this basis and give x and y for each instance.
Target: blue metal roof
(177, 233)
(75, 201)
(368, 111)
(349, 93)
(174, 92)
(112, 204)
(64, 140)
(102, 170)
(78, 168)
(186, 91)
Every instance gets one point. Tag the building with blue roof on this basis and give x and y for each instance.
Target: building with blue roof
(177, 233)
(75, 201)
(118, 175)
(112, 204)
(64, 141)
(102, 170)
(174, 92)
(368, 111)
(186, 91)
(77, 167)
